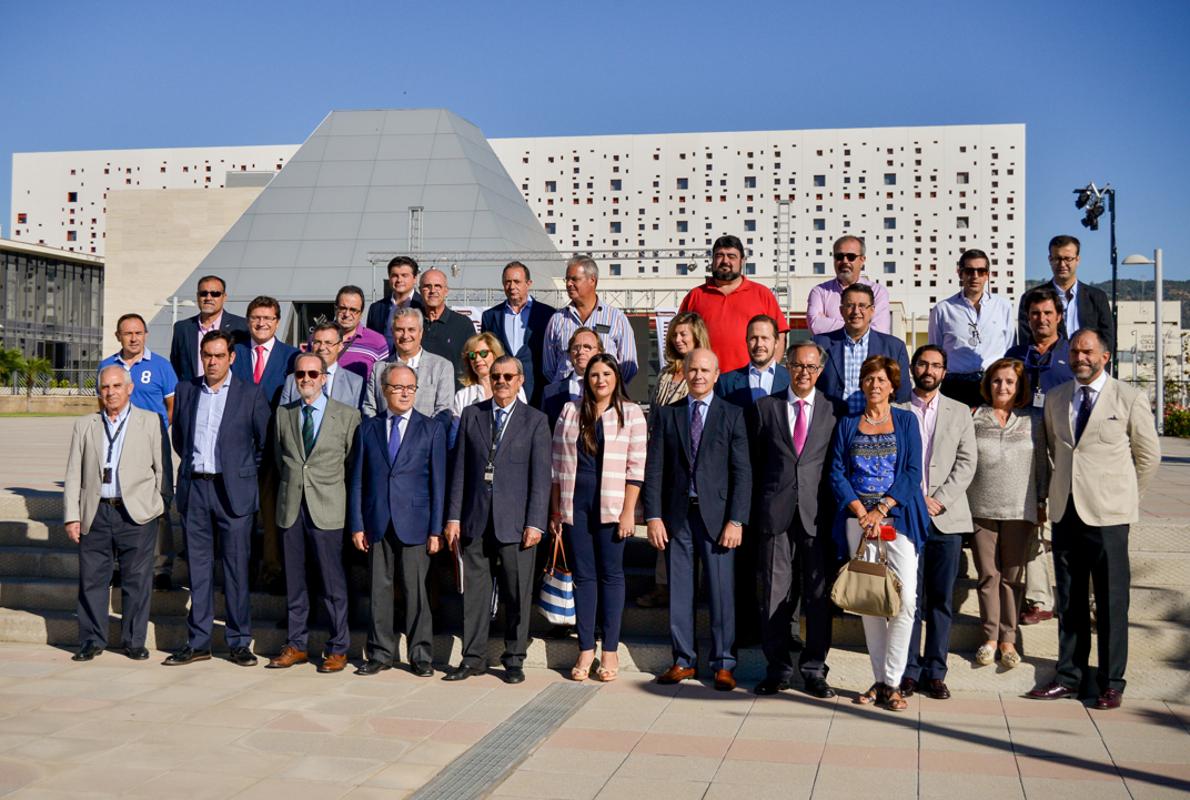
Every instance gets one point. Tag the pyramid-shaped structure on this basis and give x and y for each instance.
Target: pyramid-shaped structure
(346, 196)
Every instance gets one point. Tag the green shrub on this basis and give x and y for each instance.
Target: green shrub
(1177, 421)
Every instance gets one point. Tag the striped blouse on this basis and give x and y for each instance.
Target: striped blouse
(623, 458)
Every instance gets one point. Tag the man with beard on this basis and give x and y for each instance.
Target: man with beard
(728, 300)
(822, 306)
(948, 465)
(763, 374)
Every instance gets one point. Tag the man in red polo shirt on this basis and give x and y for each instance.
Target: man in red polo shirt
(728, 300)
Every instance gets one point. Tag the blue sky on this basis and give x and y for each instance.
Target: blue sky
(1104, 88)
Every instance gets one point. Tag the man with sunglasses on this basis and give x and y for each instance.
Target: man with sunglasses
(973, 326)
(1082, 305)
(363, 347)
(822, 306)
(184, 354)
(326, 342)
(446, 330)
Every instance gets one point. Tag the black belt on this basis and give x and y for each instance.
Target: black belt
(204, 476)
(112, 501)
(966, 376)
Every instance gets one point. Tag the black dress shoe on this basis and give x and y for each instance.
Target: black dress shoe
(137, 653)
(816, 686)
(908, 687)
(87, 652)
(422, 669)
(241, 657)
(162, 583)
(372, 666)
(936, 689)
(1052, 691)
(187, 655)
(771, 686)
(1111, 698)
(463, 672)
(514, 675)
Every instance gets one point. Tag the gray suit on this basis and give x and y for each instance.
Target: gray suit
(435, 387)
(126, 525)
(952, 464)
(347, 388)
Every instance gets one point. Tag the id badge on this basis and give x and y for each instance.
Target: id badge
(603, 330)
(107, 475)
(489, 475)
(1039, 399)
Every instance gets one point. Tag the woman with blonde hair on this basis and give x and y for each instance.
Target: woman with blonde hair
(479, 353)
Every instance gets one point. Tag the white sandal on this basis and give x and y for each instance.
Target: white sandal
(985, 655)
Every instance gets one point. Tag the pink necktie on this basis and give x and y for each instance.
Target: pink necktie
(799, 427)
(259, 370)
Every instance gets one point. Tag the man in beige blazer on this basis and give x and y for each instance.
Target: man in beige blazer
(111, 502)
(1104, 448)
(314, 438)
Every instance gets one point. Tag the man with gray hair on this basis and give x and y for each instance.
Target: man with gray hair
(435, 375)
(585, 309)
(822, 306)
(111, 501)
(446, 330)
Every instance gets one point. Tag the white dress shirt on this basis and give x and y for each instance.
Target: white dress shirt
(973, 339)
(807, 409)
(1076, 399)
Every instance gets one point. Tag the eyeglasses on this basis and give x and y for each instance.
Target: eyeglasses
(355, 312)
(312, 374)
(848, 257)
(505, 376)
(474, 354)
(857, 306)
(262, 319)
(210, 293)
(810, 368)
(1064, 260)
(402, 389)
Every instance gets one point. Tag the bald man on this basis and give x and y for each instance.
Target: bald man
(445, 331)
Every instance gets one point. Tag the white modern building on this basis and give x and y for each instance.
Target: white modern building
(649, 206)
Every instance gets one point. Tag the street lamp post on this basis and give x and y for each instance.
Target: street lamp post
(1159, 342)
(1090, 200)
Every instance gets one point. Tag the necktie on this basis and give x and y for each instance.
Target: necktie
(1084, 414)
(308, 427)
(394, 440)
(695, 428)
(501, 414)
(799, 427)
(258, 371)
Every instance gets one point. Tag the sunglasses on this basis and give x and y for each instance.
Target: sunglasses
(973, 271)
(848, 257)
(474, 354)
(312, 374)
(505, 376)
(210, 293)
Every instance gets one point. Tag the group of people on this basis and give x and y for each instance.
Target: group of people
(761, 464)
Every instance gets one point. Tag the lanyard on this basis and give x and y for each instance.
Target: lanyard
(111, 439)
(496, 434)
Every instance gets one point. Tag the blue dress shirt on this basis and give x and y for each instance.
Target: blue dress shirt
(206, 426)
(112, 451)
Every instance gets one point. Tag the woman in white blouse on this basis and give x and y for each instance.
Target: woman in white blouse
(479, 353)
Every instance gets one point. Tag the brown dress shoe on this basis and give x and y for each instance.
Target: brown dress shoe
(724, 680)
(1110, 699)
(287, 658)
(675, 674)
(335, 662)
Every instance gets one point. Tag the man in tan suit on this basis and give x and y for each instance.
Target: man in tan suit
(314, 438)
(111, 502)
(1104, 447)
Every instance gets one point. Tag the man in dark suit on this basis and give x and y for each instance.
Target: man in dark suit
(503, 450)
(399, 293)
(584, 343)
(1083, 306)
(763, 375)
(219, 432)
(791, 517)
(519, 324)
(698, 488)
(183, 351)
(847, 348)
(395, 495)
(446, 330)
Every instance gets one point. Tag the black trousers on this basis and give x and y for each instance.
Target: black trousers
(937, 569)
(486, 559)
(965, 390)
(779, 556)
(326, 546)
(1084, 553)
(388, 559)
(115, 536)
(210, 529)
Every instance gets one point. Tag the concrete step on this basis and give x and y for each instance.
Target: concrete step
(850, 668)
(33, 533)
(31, 504)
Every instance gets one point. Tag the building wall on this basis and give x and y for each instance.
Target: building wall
(155, 239)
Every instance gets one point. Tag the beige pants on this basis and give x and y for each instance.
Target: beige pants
(1000, 549)
(1038, 570)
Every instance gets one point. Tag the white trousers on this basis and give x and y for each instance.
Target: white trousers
(888, 639)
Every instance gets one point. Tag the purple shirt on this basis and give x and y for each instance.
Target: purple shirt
(822, 307)
(927, 422)
(362, 351)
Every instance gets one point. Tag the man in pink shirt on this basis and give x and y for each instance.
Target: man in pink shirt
(362, 346)
(822, 307)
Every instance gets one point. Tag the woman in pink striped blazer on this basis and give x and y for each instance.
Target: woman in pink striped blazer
(598, 468)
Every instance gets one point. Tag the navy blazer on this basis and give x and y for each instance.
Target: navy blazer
(183, 351)
(408, 494)
(722, 471)
(733, 386)
(279, 365)
(532, 346)
(909, 514)
(241, 440)
(830, 380)
(522, 473)
(1094, 311)
(378, 315)
(554, 399)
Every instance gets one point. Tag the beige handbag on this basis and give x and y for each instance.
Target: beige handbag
(868, 587)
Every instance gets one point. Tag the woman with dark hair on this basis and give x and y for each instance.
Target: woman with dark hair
(876, 477)
(598, 467)
(1007, 498)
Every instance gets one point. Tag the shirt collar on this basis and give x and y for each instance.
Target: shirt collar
(771, 369)
(412, 361)
(1073, 288)
(226, 383)
(792, 398)
(690, 400)
(1096, 385)
(144, 356)
(268, 346)
(524, 308)
(123, 415)
(932, 405)
(215, 323)
(847, 340)
(319, 402)
(404, 416)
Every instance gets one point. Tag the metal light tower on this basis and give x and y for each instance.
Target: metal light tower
(1091, 198)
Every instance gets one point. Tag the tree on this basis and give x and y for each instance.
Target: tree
(34, 368)
(10, 362)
